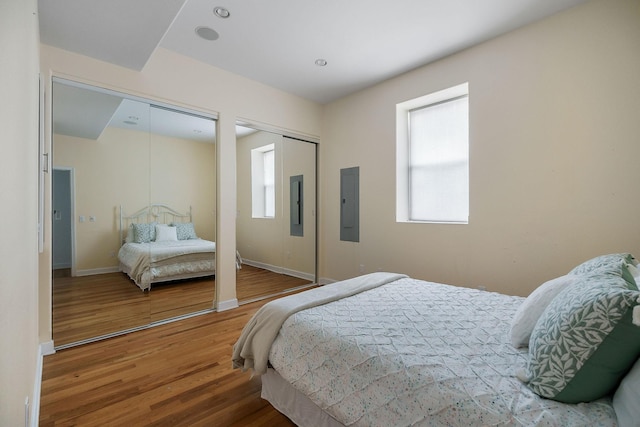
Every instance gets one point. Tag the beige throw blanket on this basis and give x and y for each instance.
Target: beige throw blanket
(251, 351)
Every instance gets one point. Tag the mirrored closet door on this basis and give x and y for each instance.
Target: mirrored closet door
(133, 196)
(276, 215)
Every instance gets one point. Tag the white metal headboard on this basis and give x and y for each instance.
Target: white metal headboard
(155, 212)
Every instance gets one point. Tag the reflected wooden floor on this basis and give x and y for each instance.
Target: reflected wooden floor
(253, 283)
(176, 374)
(98, 305)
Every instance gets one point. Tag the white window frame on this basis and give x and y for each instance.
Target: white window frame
(262, 188)
(403, 155)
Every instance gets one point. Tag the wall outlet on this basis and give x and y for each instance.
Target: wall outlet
(361, 268)
(482, 288)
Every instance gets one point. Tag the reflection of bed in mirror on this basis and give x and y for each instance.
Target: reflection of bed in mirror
(159, 244)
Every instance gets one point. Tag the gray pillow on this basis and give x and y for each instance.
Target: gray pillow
(144, 232)
(185, 230)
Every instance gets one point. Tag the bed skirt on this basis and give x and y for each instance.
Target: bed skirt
(295, 405)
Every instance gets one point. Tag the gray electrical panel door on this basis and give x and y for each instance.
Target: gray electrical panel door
(296, 205)
(350, 204)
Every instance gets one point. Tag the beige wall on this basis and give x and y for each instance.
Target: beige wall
(132, 169)
(267, 241)
(178, 80)
(19, 358)
(554, 153)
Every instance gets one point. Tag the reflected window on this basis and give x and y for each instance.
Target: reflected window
(263, 194)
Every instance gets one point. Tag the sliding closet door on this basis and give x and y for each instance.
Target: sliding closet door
(299, 206)
(276, 213)
(124, 155)
(183, 177)
(103, 142)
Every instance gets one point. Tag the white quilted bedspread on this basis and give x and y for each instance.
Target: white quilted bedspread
(414, 353)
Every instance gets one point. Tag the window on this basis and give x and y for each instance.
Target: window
(263, 192)
(433, 158)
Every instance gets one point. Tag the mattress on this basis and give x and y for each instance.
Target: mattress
(418, 353)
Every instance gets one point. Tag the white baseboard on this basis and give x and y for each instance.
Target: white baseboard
(227, 305)
(93, 271)
(44, 349)
(47, 348)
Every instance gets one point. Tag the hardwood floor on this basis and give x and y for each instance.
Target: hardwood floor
(177, 374)
(91, 306)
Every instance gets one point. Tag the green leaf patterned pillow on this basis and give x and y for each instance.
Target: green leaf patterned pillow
(585, 341)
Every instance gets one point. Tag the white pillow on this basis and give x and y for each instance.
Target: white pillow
(626, 398)
(164, 233)
(129, 237)
(531, 309)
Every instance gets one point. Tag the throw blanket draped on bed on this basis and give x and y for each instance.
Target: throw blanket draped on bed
(251, 351)
(139, 257)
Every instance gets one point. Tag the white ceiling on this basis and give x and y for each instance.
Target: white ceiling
(276, 42)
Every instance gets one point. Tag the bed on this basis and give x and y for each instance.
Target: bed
(389, 350)
(159, 244)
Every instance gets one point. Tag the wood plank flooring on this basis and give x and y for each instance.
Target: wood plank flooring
(177, 374)
(90, 306)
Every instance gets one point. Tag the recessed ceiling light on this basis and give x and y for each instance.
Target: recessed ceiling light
(321, 62)
(207, 33)
(221, 12)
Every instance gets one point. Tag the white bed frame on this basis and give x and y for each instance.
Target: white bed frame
(155, 212)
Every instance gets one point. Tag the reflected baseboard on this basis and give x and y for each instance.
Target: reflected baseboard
(93, 271)
(280, 270)
(61, 272)
(288, 291)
